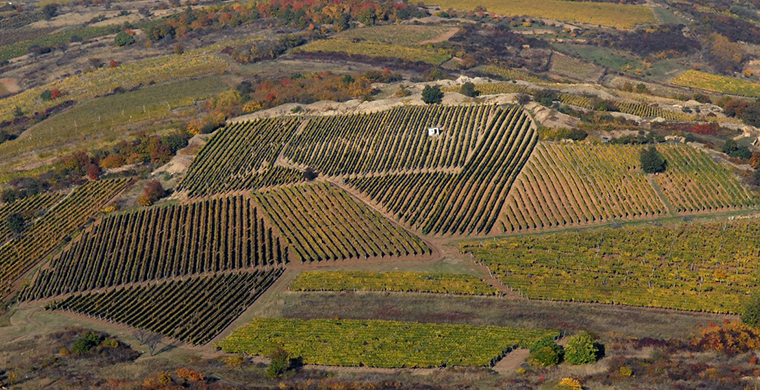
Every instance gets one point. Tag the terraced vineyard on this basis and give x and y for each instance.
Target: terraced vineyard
(464, 202)
(321, 222)
(565, 185)
(30, 208)
(716, 83)
(162, 242)
(192, 310)
(19, 255)
(375, 343)
(694, 183)
(701, 266)
(378, 49)
(454, 183)
(391, 140)
(391, 281)
(491, 88)
(241, 157)
(105, 80)
(633, 108)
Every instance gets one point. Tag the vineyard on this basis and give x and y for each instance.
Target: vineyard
(376, 343)
(716, 83)
(19, 255)
(694, 183)
(30, 208)
(638, 109)
(462, 284)
(321, 222)
(105, 80)
(565, 185)
(241, 157)
(454, 183)
(703, 267)
(398, 34)
(605, 14)
(162, 242)
(465, 202)
(378, 49)
(192, 310)
(491, 88)
(391, 140)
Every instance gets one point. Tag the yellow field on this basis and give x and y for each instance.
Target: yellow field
(379, 49)
(606, 14)
(715, 83)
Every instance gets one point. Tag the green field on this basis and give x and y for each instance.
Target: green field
(391, 281)
(376, 343)
(701, 266)
(91, 123)
(605, 14)
(378, 49)
(715, 83)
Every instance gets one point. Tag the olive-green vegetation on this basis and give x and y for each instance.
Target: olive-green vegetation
(379, 49)
(391, 281)
(397, 34)
(376, 343)
(606, 14)
(691, 266)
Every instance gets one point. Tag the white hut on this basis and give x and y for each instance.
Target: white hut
(434, 131)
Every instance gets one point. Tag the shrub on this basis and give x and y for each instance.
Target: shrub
(46, 95)
(279, 364)
(309, 174)
(652, 161)
(432, 95)
(569, 384)
(152, 192)
(16, 223)
(123, 39)
(545, 352)
(468, 89)
(86, 343)
(581, 349)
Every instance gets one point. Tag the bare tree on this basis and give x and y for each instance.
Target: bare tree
(152, 340)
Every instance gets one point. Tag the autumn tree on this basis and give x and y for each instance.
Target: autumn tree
(152, 192)
(725, 56)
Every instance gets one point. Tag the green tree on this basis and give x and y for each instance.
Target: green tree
(123, 39)
(86, 343)
(432, 94)
(751, 314)
(49, 11)
(652, 161)
(16, 223)
(279, 364)
(343, 22)
(468, 89)
(46, 95)
(581, 349)
(545, 352)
